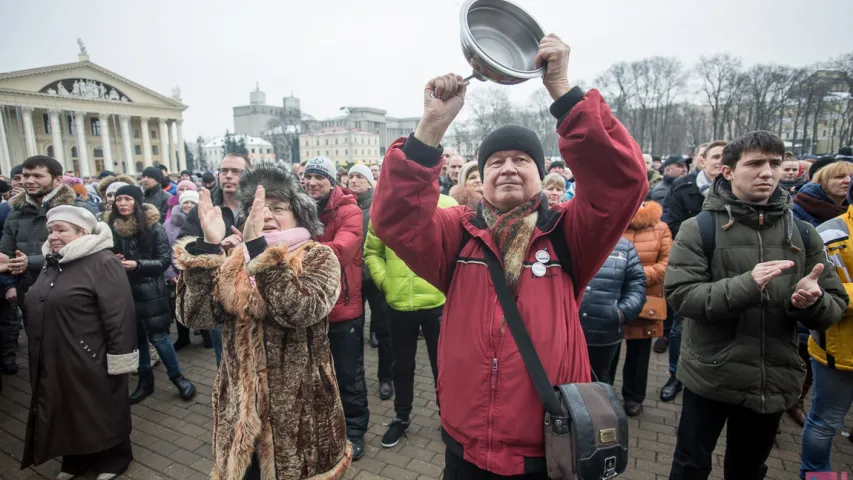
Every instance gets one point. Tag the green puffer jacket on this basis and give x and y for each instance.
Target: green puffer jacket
(404, 291)
(739, 344)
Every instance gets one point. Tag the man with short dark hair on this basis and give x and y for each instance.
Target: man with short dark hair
(151, 182)
(674, 168)
(168, 185)
(186, 175)
(208, 180)
(740, 302)
(25, 230)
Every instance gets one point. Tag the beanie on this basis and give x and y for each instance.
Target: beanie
(820, 163)
(207, 177)
(188, 196)
(322, 166)
(465, 171)
(104, 174)
(364, 171)
(557, 164)
(187, 183)
(845, 153)
(133, 192)
(512, 137)
(74, 215)
(153, 173)
(113, 188)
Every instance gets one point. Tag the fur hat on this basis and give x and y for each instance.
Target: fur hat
(74, 215)
(283, 185)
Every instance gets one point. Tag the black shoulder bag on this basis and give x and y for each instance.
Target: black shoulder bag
(586, 429)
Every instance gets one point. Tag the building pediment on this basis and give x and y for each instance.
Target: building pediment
(85, 81)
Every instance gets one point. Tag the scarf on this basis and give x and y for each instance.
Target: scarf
(818, 208)
(292, 237)
(704, 183)
(512, 231)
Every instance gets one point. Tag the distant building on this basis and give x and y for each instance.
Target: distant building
(367, 119)
(259, 149)
(255, 119)
(341, 145)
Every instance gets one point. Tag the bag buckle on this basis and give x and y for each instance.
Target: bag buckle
(609, 468)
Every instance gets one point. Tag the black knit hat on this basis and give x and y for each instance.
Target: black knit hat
(133, 192)
(512, 137)
(557, 164)
(820, 163)
(207, 177)
(153, 173)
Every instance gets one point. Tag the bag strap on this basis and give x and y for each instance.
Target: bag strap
(705, 219)
(543, 386)
(803, 227)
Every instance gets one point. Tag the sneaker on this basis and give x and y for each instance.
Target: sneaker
(357, 448)
(396, 430)
(386, 390)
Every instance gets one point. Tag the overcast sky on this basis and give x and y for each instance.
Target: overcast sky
(380, 53)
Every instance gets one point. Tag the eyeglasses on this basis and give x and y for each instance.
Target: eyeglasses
(278, 208)
(235, 171)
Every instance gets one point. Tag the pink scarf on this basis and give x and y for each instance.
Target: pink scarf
(292, 237)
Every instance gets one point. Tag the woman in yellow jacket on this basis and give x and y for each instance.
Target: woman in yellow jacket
(413, 305)
(832, 357)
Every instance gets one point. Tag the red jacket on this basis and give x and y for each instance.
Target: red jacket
(344, 233)
(490, 413)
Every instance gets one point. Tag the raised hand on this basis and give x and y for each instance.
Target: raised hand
(764, 272)
(808, 291)
(210, 218)
(444, 97)
(554, 55)
(232, 240)
(254, 226)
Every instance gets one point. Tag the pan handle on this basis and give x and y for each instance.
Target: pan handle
(467, 80)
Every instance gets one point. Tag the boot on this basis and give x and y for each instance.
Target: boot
(144, 388)
(798, 412)
(183, 337)
(374, 340)
(185, 388)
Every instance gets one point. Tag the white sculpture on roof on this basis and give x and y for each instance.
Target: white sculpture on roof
(82, 47)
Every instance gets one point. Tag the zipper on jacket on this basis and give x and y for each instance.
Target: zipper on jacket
(346, 286)
(761, 315)
(494, 373)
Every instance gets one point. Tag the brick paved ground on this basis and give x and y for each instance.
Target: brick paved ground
(171, 438)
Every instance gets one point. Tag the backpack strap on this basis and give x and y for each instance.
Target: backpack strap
(561, 248)
(707, 226)
(803, 227)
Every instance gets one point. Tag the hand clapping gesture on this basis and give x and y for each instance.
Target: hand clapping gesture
(210, 218)
(808, 291)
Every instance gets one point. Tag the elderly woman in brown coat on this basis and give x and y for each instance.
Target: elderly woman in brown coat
(82, 343)
(277, 411)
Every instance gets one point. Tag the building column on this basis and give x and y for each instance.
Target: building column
(182, 151)
(82, 149)
(173, 143)
(104, 121)
(5, 156)
(29, 133)
(146, 142)
(56, 134)
(164, 145)
(129, 159)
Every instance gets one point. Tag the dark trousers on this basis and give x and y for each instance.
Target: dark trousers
(10, 328)
(346, 340)
(405, 327)
(635, 371)
(749, 439)
(112, 460)
(675, 343)
(601, 360)
(379, 326)
(456, 468)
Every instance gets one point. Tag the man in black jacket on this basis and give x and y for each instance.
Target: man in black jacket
(674, 168)
(152, 178)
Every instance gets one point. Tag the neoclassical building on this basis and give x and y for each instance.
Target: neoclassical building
(88, 118)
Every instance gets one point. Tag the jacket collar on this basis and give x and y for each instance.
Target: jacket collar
(100, 239)
(61, 195)
(721, 198)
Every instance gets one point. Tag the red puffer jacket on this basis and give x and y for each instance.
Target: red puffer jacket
(344, 233)
(490, 413)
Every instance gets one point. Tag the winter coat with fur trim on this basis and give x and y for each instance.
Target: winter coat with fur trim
(82, 343)
(275, 395)
(150, 296)
(652, 240)
(344, 233)
(26, 230)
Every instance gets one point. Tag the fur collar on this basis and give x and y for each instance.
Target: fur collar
(61, 195)
(106, 181)
(100, 239)
(126, 227)
(648, 215)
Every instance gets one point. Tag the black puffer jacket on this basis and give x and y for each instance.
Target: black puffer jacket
(616, 294)
(147, 282)
(26, 230)
(160, 199)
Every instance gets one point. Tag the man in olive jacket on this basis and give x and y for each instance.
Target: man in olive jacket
(739, 361)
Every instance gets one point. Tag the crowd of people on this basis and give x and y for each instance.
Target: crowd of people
(737, 261)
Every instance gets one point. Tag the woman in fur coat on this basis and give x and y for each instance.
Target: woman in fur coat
(277, 411)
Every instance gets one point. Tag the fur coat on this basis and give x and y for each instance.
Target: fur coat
(276, 394)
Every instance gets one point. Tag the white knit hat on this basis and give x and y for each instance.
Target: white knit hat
(323, 166)
(188, 196)
(114, 187)
(364, 171)
(74, 215)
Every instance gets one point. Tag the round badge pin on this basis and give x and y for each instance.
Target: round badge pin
(542, 256)
(538, 269)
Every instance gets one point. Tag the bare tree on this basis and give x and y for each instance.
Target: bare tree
(719, 76)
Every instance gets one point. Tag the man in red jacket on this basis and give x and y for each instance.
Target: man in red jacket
(341, 216)
(491, 417)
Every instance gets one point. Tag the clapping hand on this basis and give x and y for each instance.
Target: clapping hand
(18, 265)
(210, 218)
(807, 291)
(254, 227)
(4, 263)
(232, 240)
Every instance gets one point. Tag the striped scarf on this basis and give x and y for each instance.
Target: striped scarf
(512, 231)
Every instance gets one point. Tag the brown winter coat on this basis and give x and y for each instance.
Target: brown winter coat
(82, 338)
(652, 240)
(276, 393)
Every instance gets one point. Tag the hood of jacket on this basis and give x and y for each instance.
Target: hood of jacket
(61, 195)
(648, 215)
(721, 199)
(177, 218)
(100, 239)
(126, 227)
